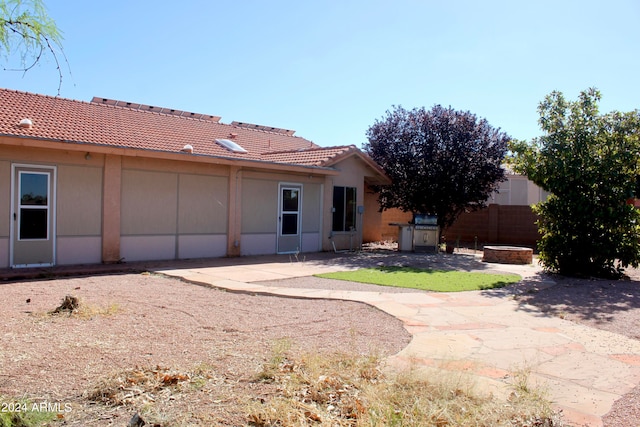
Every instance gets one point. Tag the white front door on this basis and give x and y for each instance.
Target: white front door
(289, 218)
(32, 216)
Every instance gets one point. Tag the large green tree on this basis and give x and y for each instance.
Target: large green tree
(589, 162)
(441, 161)
(27, 33)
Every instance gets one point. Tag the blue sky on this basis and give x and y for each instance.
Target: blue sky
(329, 69)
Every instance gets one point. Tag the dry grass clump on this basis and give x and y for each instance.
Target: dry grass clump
(348, 390)
(140, 386)
(75, 307)
(166, 397)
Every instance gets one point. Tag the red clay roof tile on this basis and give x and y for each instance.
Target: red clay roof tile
(65, 120)
(104, 122)
(310, 157)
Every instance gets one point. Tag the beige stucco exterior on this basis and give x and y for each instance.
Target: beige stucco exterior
(116, 205)
(78, 201)
(352, 173)
(114, 181)
(518, 190)
(260, 211)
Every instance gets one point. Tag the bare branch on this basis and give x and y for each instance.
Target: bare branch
(25, 27)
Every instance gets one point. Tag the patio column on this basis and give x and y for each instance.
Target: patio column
(234, 217)
(111, 198)
(327, 214)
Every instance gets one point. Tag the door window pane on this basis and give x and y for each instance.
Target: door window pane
(33, 224)
(34, 189)
(290, 200)
(289, 224)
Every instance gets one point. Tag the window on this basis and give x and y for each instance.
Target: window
(344, 208)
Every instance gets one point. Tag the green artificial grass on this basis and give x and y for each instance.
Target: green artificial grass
(428, 280)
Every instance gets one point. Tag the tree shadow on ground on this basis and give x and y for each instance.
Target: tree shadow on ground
(612, 305)
(433, 261)
(355, 259)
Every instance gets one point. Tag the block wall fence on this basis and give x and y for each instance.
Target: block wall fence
(494, 225)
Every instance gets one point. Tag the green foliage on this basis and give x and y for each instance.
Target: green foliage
(423, 279)
(26, 30)
(589, 162)
(441, 161)
(23, 413)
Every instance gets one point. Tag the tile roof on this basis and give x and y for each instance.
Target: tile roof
(310, 157)
(109, 123)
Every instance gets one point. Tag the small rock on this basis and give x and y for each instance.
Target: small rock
(136, 421)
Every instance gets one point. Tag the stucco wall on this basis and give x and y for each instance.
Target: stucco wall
(259, 216)
(311, 213)
(259, 206)
(372, 229)
(79, 200)
(166, 215)
(260, 212)
(79, 215)
(517, 190)
(202, 204)
(149, 203)
(139, 208)
(352, 173)
(5, 195)
(5, 212)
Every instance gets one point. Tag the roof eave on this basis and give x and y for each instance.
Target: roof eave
(381, 177)
(28, 141)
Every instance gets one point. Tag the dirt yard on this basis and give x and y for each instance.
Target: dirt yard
(141, 327)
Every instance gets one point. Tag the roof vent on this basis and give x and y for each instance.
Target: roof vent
(231, 146)
(263, 128)
(187, 149)
(26, 123)
(162, 110)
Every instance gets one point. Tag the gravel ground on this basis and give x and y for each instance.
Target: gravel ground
(155, 324)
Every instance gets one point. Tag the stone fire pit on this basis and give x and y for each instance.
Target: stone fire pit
(508, 255)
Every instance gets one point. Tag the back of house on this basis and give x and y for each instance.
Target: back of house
(112, 181)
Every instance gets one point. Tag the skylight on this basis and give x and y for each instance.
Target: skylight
(231, 146)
